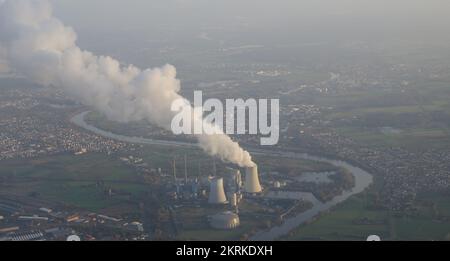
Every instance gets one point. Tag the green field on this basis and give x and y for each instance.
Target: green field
(420, 113)
(71, 180)
(337, 224)
(341, 222)
(412, 139)
(90, 166)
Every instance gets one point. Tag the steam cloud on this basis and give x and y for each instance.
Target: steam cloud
(39, 46)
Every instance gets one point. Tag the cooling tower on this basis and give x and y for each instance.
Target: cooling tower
(217, 192)
(252, 180)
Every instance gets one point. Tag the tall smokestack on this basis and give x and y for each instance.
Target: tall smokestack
(252, 184)
(185, 170)
(217, 192)
(35, 44)
(174, 167)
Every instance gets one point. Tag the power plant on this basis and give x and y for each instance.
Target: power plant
(217, 192)
(231, 181)
(252, 184)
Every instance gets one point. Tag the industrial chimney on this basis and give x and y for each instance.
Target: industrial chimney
(217, 192)
(252, 180)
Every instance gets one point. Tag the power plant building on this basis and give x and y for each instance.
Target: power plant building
(235, 178)
(233, 200)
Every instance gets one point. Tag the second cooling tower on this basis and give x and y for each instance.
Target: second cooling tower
(252, 184)
(217, 192)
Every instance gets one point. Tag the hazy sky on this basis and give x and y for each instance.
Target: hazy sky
(357, 18)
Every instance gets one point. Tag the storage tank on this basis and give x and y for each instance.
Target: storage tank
(252, 184)
(277, 184)
(217, 192)
(225, 220)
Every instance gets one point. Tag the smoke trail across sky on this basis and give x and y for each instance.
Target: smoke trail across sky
(37, 45)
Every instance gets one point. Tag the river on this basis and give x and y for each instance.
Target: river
(362, 178)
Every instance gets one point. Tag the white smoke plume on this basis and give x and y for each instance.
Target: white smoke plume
(37, 45)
